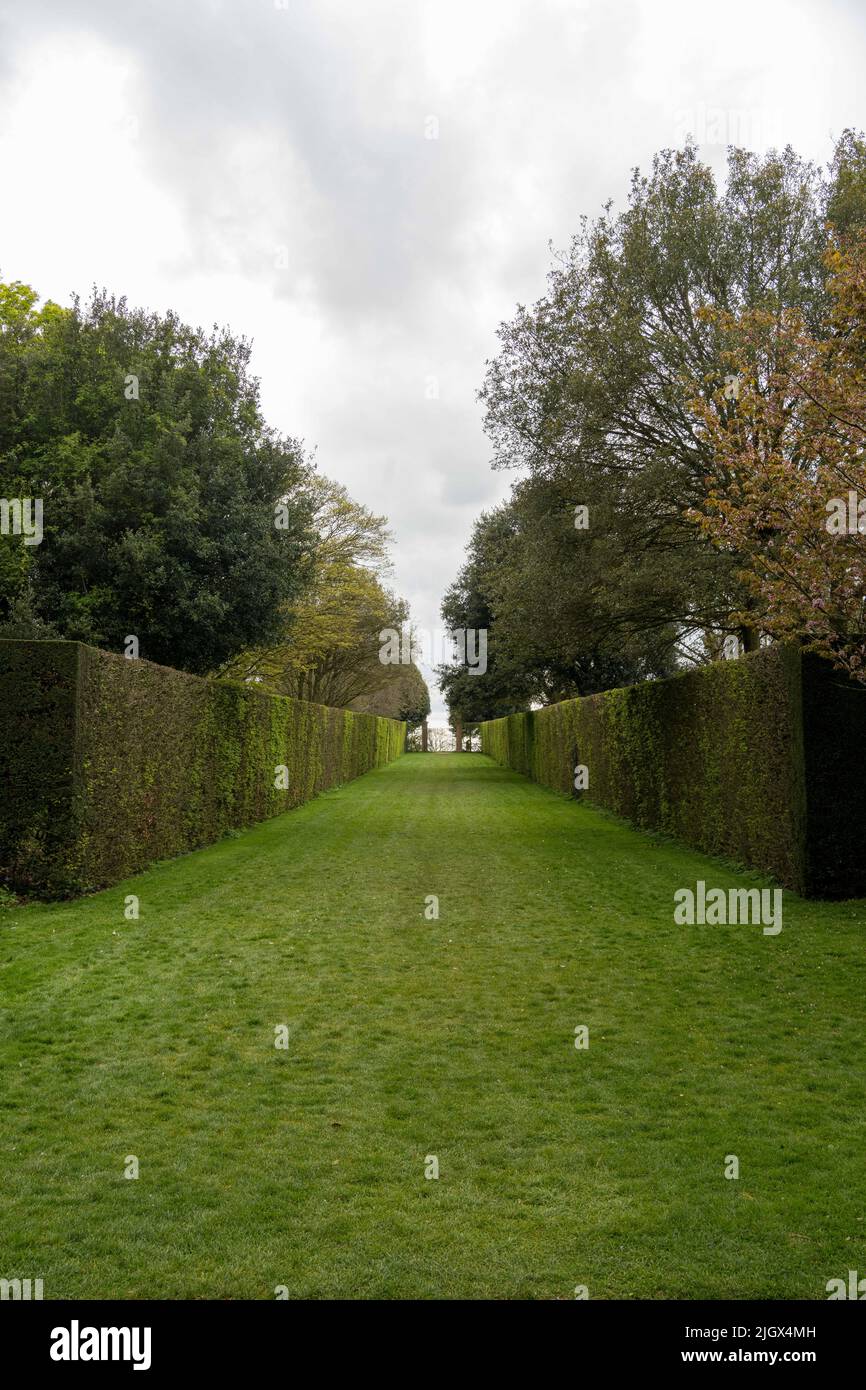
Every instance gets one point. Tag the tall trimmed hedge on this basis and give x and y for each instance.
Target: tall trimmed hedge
(108, 765)
(758, 760)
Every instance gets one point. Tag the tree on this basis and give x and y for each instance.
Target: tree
(171, 511)
(588, 393)
(524, 584)
(787, 486)
(472, 693)
(847, 196)
(329, 645)
(404, 695)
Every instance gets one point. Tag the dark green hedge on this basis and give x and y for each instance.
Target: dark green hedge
(108, 765)
(834, 739)
(758, 760)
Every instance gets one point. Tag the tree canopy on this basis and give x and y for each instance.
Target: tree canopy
(602, 567)
(787, 488)
(404, 695)
(328, 649)
(172, 512)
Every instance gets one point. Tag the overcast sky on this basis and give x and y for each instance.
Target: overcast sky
(367, 187)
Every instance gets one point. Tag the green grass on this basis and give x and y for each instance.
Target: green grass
(410, 1037)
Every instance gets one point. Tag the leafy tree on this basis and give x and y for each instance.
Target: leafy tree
(546, 640)
(847, 197)
(588, 394)
(404, 695)
(787, 487)
(159, 479)
(329, 645)
(24, 624)
(502, 688)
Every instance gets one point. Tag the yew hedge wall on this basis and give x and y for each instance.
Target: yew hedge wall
(108, 765)
(758, 760)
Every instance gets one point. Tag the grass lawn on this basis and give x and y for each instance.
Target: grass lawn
(305, 1167)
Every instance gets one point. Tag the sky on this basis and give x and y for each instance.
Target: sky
(367, 188)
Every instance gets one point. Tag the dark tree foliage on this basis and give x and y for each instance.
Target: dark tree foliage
(159, 479)
(503, 688)
(544, 639)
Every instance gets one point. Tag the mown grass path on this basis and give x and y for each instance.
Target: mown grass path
(408, 1037)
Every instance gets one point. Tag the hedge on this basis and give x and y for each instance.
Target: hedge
(108, 765)
(758, 760)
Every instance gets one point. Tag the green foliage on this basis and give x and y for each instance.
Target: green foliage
(740, 759)
(468, 605)
(413, 705)
(112, 764)
(24, 622)
(328, 647)
(402, 695)
(40, 824)
(525, 583)
(834, 720)
(845, 209)
(589, 393)
(159, 479)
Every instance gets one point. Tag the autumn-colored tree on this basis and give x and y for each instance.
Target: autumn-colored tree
(787, 483)
(586, 395)
(329, 648)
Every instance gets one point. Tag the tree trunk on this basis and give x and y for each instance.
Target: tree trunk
(458, 735)
(424, 737)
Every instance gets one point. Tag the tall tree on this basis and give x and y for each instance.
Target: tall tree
(403, 695)
(172, 512)
(502, 687)
(787, 485)
(588, 394)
